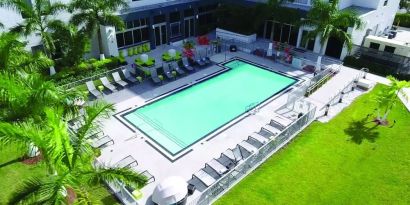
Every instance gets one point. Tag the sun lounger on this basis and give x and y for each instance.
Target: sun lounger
(259, 138)
(206, 60)
(248, 147)
(204, 177)
(91, 88)
(185, 62)
(128, 76)
(154, 76)
(233, 154)
(149, 176)
(167, 71)
(271, 130)
(127, 161)
(100, 142)
(176, 67)
(199, 61)
(118, 80)
(107, 84)
(281, 120)
(217, 167)
(225, 161)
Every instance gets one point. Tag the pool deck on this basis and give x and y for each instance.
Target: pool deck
(135, 144)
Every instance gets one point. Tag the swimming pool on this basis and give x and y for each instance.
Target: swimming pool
(179, 120)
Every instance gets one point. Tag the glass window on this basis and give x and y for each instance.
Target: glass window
(128, 38)
(137, 23)
(389, 49)
(374, 46)
(175, 29)
(144, 34)
(120, 40)
(137, 35)
(159, 19)
(174, 17)
(188, 12)
(129, 24)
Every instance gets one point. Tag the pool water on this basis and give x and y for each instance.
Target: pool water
(183, 118)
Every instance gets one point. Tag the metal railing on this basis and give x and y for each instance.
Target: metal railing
(227, 181)
(321, 78)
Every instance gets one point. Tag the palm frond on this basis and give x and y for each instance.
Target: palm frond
(102, 174)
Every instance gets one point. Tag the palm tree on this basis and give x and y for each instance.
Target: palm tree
(69, 158)
(93, 13)
(36, 19)
(13, 55)
(387, 98)
(72, 42)
(328, 21)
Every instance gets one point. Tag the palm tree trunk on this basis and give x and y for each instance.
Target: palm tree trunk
(100, 46)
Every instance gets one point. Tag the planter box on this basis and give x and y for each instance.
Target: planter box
(228, 35)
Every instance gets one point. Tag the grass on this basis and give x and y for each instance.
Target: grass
(13, 172)
(346, 161)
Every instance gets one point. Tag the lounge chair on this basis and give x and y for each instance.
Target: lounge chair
(281, 120)
(154, 76)
(248, 147)
(149, 176)
(274, 131)
(259, 138)
(176, 67)
(91, 88)
(233, 154)
(217, 167)
(107, 84)
(100, 142)
(167, 71)
(185, 62)
(204, 177)
(206, 60)
(199, 61)
(128, 76)
(118, 80)
(127, 161)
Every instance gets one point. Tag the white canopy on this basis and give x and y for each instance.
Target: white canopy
(170, 191)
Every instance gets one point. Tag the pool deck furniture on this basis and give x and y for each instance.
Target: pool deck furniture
(206, 60)
(259, 138)
(233, 154)
(364, 84)
(274, 131)
(154, 76)
(128, 76)
(176, 67)
(198, 61)
(107, 84)
(167, 71)
(248, 147)
(185, 62)
(204, 177)
(118, 80)
(281, 120)
(101, 142)
(127, 161)
(217, 167)
(91, 88)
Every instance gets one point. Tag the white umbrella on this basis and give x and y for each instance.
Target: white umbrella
(170, 191)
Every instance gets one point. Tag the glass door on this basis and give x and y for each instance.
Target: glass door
(160, 31)
(189, 27)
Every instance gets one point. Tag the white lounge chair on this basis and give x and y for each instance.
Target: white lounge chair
(248, 147)
(185, 62)
(118, 80)
(217, 167)
(199, 61)
(167, 71)
(154, 77)
(271, 130)
(128, 76)
(100, 142)
(107, 84)
(259, 138)
(127, 161)
(176, 67)
(204, 177)
(91, 88)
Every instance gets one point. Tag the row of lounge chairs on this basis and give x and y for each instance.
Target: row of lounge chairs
(96, 137)
(230, 158)
(108, 85)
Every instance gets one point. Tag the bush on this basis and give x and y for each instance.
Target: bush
(402, 20)
(374, 68)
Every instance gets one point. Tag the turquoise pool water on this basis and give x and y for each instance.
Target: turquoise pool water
(181, 119)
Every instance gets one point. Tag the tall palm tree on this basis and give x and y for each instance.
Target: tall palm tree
(13, 55)
(328, 21)
(36, 19)
(91, 14)
(387, 98)
(69, 158)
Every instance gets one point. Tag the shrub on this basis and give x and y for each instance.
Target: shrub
(136, 50)
(130, 52)
(402, 20)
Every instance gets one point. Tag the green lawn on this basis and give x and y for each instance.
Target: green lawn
(12, 172)
(346, 161)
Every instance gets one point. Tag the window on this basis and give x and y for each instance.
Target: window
(374, 45)
(136, 32)
(174, 17)
(389, 49)
(159, 19)
(385, 2)
(175, 29)
(120, 40)
(128, 38)
(188, 12)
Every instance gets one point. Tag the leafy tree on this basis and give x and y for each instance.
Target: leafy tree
(71, 42)
(328, 21)
(405, 4)
(36, 19)
(93, 13)
(69, 158)
(387, 98)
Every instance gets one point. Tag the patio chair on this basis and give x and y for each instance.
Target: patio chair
(233, 154)
(127, 161)
(128, 76)
(248, 147)
(272, 130)
(149, 176)
(91, 88)
(206, 60)
(217, 167)
(103, 141)
(154, 76)
(118, 80)
(199, 61)
(167, 71)
(185, 62)
(204, 177)
(281, 121)
(107, 84)
(176, 67)
(259, 138)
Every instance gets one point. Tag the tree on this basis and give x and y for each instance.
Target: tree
(327, 21)
(71, 42)
(69, 158)
(405, 4)
(92, 14)
(36, 19)
(387, 98)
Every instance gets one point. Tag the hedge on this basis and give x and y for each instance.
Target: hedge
(402, 20)
(374, 68)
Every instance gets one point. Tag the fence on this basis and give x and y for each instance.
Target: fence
(254, 160)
